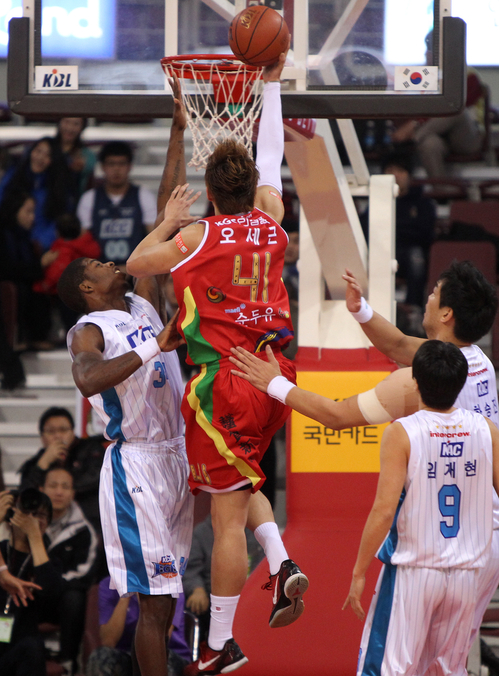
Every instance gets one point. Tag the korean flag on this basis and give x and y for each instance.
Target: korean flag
(423, 79)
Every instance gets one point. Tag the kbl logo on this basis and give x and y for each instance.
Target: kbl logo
(137, 489)
(482, 388)
(451, 449)
(56, 79)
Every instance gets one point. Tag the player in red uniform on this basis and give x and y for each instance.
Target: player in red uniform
(227, 276)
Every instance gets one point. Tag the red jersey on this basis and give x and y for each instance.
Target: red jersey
(230, 291)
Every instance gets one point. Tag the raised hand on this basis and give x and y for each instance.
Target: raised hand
(353, 292)
(256, 371)
(57, 450)
(179, 112)
(27, 523)
(177, 207)
(6, 502)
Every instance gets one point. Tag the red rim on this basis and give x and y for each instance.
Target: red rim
(226, 63)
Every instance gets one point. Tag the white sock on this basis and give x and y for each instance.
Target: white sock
(269, 537)
(222, 611)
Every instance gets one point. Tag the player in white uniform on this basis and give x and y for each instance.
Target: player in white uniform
(435, 484)
(136, 388)
(461, 310)
(123, 362)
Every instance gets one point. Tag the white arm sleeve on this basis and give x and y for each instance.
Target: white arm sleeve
(270, 142)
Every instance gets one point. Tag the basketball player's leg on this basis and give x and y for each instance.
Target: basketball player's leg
(451, 622)
(229, 567)
(155, 618)
(487, 583)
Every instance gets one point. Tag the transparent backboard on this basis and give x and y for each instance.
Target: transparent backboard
(348, 58)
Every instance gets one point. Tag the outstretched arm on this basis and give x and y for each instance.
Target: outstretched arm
(270, 143)
(392, 398)
(156, 254)
(383, 335)
(93, 374)
(174, 172)
(336, 415)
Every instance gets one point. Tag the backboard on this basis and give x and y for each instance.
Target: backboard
(348, 58)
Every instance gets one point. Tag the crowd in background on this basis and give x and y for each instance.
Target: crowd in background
(53, 211)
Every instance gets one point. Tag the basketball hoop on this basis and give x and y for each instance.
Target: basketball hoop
(222, 96)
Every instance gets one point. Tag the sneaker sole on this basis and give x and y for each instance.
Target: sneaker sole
(233, 667)
(294, 588)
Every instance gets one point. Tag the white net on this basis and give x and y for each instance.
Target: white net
(223, 100)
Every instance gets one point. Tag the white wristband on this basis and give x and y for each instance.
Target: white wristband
(148, 349)
(365, 313)
(279, 388)
(4, 567)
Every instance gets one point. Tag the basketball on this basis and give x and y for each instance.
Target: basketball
(258, 35)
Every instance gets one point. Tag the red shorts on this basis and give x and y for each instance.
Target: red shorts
(229, 425)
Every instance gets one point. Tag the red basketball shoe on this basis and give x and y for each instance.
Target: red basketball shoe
(211, 662)
(289, 585)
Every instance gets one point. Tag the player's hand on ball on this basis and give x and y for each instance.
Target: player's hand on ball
(353, 293)
(256, 371)
(354, 596)
(169, 338)
(273, 72)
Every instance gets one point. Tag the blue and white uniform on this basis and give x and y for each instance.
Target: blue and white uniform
(145, 504)
(480, 394)
(421, 615)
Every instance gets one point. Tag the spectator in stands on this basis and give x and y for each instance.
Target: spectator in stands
(69, 245)
(80, 159)
(42, 173)
(62, 448)
(21, 264)
(117, 620)
(73, 542)
(437, 137)
(118, 213)
(23, 550)
(20, 590)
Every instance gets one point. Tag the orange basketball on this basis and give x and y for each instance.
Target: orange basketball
(257, 35)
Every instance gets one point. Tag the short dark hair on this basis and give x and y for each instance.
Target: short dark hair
(56, 467)
(55, 412)
(472, 299)
(231, 177)
(68, 286)
(440, 370)
(116, 149)
(32, 500)
(68, 226)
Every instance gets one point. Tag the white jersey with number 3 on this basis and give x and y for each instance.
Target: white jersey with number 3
(145, 408)
(480, 391)
(445, 516)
